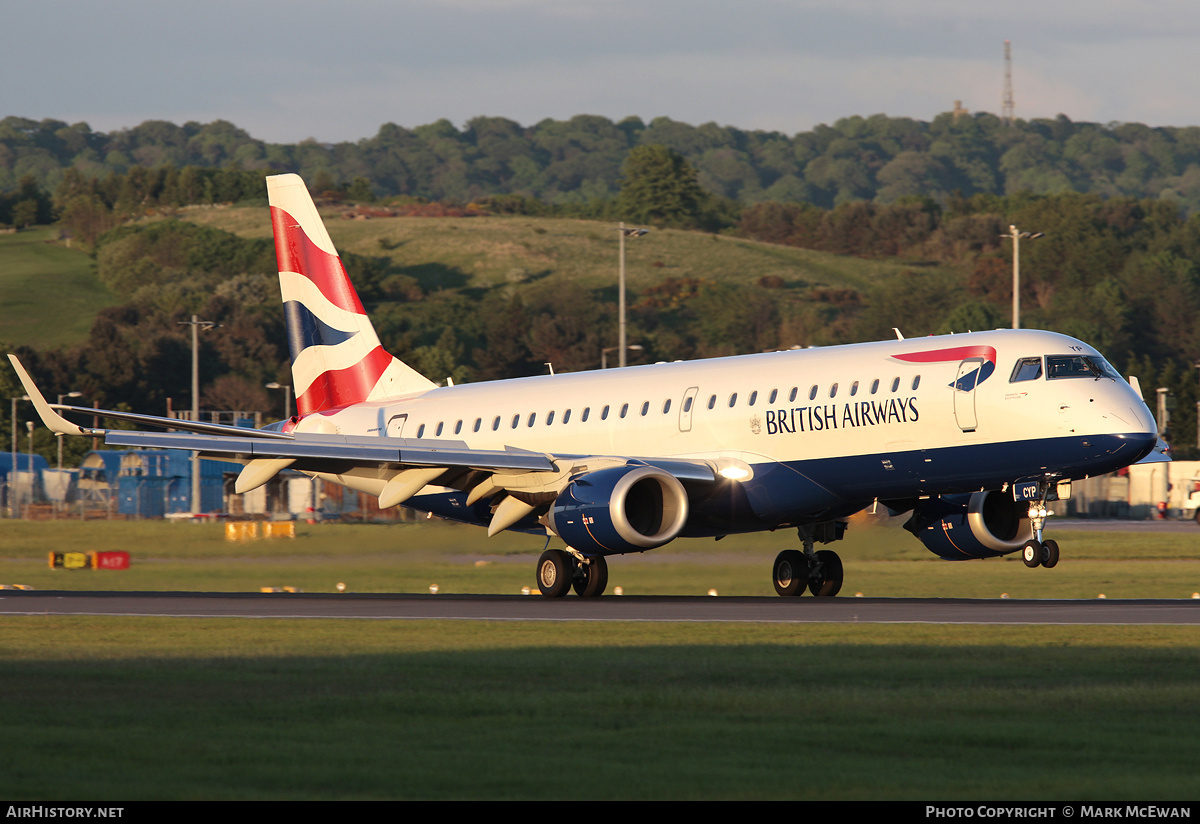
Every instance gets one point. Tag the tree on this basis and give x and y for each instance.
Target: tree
(24, 214)
(659, 186)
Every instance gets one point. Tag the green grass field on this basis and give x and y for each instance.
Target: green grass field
(880, 561)
(485, 252)
(124, 708)
(148, 708)
(49, 294)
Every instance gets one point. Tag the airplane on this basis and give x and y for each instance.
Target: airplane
(973, 434)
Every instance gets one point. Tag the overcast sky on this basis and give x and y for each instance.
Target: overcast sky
(285, 70)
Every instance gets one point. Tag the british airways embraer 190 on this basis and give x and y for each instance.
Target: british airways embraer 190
(973, 434)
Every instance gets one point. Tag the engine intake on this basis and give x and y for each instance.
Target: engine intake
(621, 509)
(979, 525)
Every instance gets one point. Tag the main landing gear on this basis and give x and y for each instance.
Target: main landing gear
(819, 572)
(559, 571)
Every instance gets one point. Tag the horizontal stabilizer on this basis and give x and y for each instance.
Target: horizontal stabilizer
(1158, 454)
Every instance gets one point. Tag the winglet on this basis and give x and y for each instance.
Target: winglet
(53, 421)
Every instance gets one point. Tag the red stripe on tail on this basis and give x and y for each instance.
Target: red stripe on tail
(342, 387)
(295, 252)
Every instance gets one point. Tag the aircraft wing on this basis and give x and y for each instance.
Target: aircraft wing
(403, 465)
(356, 449)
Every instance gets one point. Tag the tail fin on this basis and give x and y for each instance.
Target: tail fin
(337, 359)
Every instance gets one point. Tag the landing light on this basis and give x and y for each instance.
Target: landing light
(734, 472)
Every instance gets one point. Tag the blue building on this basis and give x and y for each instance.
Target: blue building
(26, 482)
(153, 483)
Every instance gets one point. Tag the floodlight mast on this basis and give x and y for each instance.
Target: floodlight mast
(196, 325)
(1015, 236)
(624, 233)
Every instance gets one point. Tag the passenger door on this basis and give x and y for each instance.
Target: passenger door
(964, 393)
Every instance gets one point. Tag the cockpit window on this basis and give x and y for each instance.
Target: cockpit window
(1027, 369)
(1079, 366)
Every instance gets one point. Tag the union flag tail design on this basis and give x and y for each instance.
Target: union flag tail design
(337, 359)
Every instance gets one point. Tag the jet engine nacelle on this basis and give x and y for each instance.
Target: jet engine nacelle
(620, 509)
(978, 525)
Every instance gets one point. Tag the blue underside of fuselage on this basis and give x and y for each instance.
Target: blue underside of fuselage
(811, 491)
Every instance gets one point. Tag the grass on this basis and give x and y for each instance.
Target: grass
(161, 708)
(112, 708)
(495, 251)
(49, 294)
(880, 561)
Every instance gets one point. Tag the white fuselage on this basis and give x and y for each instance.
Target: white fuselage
(801, 408)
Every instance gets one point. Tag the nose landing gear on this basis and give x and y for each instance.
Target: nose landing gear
(1038, 552)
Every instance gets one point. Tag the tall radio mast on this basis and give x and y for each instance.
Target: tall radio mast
(1008, 104)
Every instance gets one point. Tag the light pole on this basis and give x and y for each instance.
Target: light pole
(59, 434)
(1015, 235)
(637, 347)
(13, 503)
(287, 397)
(196, 325)
(29, 428)
(624, 233)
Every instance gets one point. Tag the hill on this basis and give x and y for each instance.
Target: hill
(486, 253)
(49, 294)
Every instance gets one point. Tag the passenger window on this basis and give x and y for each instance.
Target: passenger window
(479, 423)
(645, 408)
(496, 424)
(812, 393)
(795, 391)
(532, 418)
(666, 406)
(916, 382)
(712, 401)
(732, 400)
(421, 431)
(1027, 369)
(549, 418)
(773, 396)
(854, 389)
(624, 409)
(833, 391)
(604, 414)
(895, 384)
(567, 416)
(458, 427)
(516, 420)
(587, 410)
(874, 386)
(753, 397)
(438, 432)
(687, 404)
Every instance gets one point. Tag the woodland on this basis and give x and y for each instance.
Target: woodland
(1117, 266)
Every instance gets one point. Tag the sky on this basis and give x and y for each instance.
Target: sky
(336, 71)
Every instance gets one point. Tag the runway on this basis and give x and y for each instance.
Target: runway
(804, 610)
